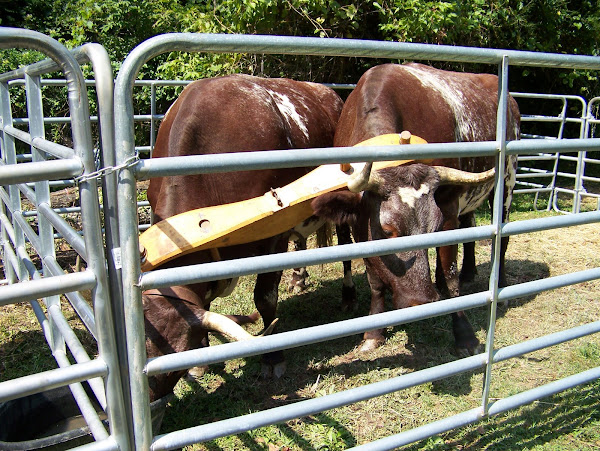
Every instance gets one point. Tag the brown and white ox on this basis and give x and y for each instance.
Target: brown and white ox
(237, 113)
(439, 106)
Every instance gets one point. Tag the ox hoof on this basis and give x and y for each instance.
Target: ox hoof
(370, 344)
(273, 371)
(469, 349)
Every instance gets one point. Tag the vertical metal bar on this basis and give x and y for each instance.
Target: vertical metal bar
(563, 119)
(5, 118)
(152, 117)
(129, 247)
(498, 208)
(9, 156)
(35, 112)
(105, 93)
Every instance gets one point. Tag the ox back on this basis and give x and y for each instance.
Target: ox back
(439, 106)
(236, 113)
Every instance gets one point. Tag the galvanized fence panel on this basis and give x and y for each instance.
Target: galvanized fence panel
(134, 281)
(33, 272)
(570, 111)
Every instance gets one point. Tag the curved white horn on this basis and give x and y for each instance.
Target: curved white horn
(366, 179)
(359, 181)
(451, 176)
(226, 326)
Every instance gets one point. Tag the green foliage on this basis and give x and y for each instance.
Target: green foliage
(565, 26)
(540, 25)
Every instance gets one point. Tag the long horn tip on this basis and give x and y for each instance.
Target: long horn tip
(269, 329)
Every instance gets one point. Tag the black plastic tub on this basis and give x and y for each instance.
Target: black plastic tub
(51, 420)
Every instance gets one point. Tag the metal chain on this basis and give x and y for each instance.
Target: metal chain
(131, 161)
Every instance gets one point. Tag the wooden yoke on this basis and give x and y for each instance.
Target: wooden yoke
(254, 219)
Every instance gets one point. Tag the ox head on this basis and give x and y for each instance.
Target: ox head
(175, 321)
(396, 202)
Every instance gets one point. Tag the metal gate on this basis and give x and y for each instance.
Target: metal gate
(574, 118)
(118, 375)
(134, 281)
(33, 273)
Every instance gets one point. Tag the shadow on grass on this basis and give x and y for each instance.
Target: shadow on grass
(429, 343)
(569, 419)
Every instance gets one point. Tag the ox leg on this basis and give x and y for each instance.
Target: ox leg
(447, 281)
(469, 266)
(349, 302)
(374, 338)
(299, 275)
(265, 299)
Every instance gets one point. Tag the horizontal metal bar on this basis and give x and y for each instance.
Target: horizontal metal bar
(549, 283)
(50, 120)
(231, 43)
(244, 423)
(535, 170)
(274, 159)
(53, 148)
(38, 171)
(532, 190)
(310, 157)
(21, 135)
(423, 432)
(310, 335)
(47, 286)
(542, 157)
(105, 445)
(551, 119)
(552, 388)
(548, 223)
(532, 95)
(267, 263)
(534, 175)
(47, 380)
(475, 415)
(546, 341)
(49, 147)
(530, 146)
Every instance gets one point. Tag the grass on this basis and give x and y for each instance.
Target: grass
(569, 420)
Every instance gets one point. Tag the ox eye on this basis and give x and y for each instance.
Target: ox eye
(389, 231)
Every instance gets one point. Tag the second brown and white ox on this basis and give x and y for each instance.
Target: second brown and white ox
(439, 106)
(212, 116)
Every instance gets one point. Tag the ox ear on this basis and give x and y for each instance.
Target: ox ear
(340, 207)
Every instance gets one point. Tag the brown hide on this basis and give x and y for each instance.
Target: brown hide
(237, 113)
(439, 106)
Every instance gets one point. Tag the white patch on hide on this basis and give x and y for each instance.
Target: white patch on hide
(510, 179)
(289, 112)
(474, 197)
(409, 195)
(307, 227)
(452, 91)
